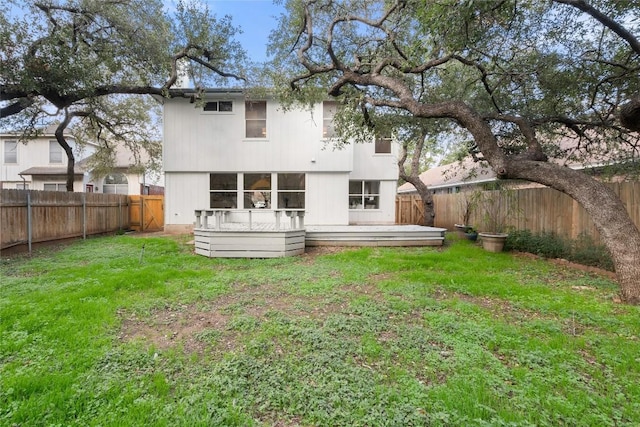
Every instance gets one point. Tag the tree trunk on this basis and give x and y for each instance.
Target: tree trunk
(619, 233)
(71, 160)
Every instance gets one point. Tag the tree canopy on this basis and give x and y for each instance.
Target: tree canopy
(84, 64)
(526, 80)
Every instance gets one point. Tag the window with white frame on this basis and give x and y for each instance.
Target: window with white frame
(329, 109)
(218, 107)
(10, 152)
(55, 186)
(291, 190)
(115, 183)
(255, 113)
(55, 152)
(223, 190)
(364, 194)
(22, 186)
(257, 190)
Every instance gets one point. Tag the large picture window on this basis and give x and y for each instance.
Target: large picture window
(257, 190)
(291, 190)
(115, 183)
(329, 109)
(255, 113)
(11, 152)
(55, 152)
(223, 190)
(364, 194)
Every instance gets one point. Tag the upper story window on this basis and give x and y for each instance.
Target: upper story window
(383, 144)
(218, 107)
(223, 190)
(255, 113)
(329, 109)
(11, 152)
(55, 152)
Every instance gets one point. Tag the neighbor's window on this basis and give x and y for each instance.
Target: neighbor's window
(291, 190)
(218, 106)
(383, 144)
(11, 152)
(115, 183)
(50, 186)
(257, 191)
(329, 109)
(364, 194)
(255, 113)
(55, 152)
(22, 186)
(223, 190)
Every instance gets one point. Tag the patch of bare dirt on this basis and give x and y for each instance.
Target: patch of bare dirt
(198, 328)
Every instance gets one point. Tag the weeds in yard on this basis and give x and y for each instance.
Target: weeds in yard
(89, 335)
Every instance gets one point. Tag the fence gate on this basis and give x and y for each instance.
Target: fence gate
(146, 213)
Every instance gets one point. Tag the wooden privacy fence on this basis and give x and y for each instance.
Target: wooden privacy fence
(539, 210)
(28, 217)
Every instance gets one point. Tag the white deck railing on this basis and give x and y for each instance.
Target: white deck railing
(222, 216)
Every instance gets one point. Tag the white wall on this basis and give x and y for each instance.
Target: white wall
(206, 142)
(327, 199)
(198, 143)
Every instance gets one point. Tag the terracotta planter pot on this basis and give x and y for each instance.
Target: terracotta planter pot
(493, 242)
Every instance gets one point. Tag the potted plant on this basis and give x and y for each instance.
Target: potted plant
(498, 208)
(467, 202)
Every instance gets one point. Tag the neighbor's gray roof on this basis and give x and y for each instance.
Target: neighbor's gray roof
(49, 170)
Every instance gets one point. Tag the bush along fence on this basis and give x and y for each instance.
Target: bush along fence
(28, 217)
(539, 210)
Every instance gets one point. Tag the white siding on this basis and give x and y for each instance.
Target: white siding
(327, 200)
(368, 165)
(184, 193)
(207, 142)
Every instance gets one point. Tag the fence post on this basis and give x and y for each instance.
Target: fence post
(29, 229)
(84, 215)
(119, 213)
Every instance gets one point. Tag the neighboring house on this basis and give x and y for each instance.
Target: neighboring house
(453, 178)
(41, 164)
(229, 152)
(470, 175)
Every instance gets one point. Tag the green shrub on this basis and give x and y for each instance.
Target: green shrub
(582, 250)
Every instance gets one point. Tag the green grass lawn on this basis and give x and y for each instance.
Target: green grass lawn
(106, 332)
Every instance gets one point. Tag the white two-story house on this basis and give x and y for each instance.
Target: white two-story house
(41, 164)
(231, 152)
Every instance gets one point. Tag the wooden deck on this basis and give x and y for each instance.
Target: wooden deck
(222, 238)
(374, 235)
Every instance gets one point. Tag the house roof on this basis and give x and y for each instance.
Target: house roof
(49, 170)
(568, 153)
(464, 172)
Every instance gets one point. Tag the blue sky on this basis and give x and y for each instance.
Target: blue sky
(256, 18)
